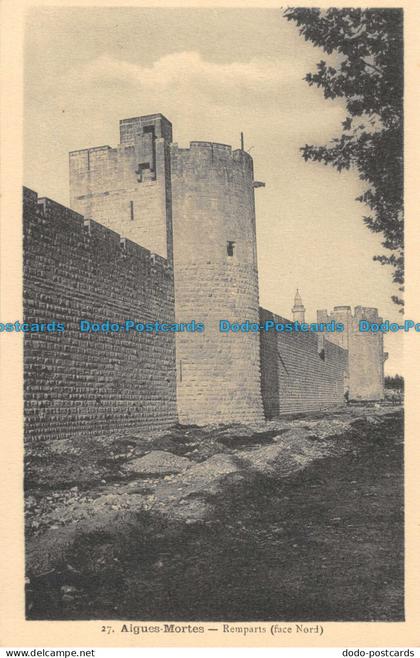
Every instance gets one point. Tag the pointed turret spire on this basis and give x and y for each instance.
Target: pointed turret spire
(298, 309)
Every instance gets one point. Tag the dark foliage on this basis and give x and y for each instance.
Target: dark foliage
(395, 382)
(368, 49)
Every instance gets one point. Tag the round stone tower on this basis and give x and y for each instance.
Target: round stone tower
(216, 278)
(367, 357)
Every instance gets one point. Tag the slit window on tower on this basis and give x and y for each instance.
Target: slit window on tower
(132, 211)
(230, 247)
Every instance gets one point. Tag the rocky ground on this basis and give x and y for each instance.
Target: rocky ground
(296, 518)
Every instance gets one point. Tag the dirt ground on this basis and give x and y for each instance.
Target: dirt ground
(295, 519)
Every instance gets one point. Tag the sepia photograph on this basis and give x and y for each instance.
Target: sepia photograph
(213, 297)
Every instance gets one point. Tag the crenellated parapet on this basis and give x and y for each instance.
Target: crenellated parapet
(87, 231)
(212, 159)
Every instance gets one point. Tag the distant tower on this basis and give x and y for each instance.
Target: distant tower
(216, 278)
(298, 309)
(365, 377)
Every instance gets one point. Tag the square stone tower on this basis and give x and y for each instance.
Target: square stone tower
(365, 376)
(128, 188)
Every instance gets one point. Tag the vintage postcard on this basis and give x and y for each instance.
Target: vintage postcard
(210, 324)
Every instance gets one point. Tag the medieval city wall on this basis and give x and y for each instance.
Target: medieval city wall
(194, 208)
(299, 371)
(90, 384)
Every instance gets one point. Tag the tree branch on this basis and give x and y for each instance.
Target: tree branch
(372, 66)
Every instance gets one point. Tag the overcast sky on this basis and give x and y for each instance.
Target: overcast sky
(213, 73)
